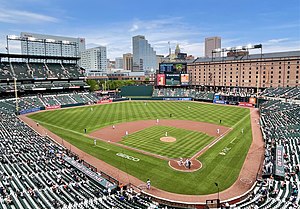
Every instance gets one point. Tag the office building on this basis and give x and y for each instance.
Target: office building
(144, 57)
(212, 43)
(127, 61)
(119, 63)
(94, 59)
(49, 45)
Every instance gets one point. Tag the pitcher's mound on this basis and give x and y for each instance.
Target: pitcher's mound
(167, 139)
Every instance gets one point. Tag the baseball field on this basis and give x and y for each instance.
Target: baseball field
(193, 125)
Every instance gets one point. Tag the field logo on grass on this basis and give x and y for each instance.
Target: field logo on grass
(128, 157)
(227, 149)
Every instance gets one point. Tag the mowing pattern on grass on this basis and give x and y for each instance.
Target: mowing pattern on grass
(70, 123)
(77, 119)
(186, 145)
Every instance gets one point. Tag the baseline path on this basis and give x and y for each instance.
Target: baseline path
(248, 172)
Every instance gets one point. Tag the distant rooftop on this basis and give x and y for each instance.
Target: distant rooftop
(250, 56)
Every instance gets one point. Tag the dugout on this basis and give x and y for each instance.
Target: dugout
(137, 91)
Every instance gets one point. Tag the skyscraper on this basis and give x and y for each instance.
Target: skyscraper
(49, 45)
(144, 57)
(212, 43)
(94, 59)
(119, 63)
(127, 61)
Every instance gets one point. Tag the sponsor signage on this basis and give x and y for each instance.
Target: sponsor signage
(185, 79)
(279, 162)
(52, 107)
(57, 87)
(128, 157)
(177, 99)
(93, 175)
(30, 110)
(217, 97)
(245, 104)
(104, 101)
(219, 101)
(161, 79)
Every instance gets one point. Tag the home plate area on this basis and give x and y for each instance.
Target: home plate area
(183, 165)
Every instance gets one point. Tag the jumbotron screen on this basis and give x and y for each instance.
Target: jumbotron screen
(172, 79)
(175, 68)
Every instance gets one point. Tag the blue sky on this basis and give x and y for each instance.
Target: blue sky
(274, 23)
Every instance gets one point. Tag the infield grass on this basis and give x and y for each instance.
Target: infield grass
(224, 169)
(186, 145)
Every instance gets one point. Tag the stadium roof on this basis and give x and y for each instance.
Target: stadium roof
(2, 55)
(250, 57)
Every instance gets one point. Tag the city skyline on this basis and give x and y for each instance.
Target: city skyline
(187, 23)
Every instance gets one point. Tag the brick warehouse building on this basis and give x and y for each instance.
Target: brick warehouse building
(279, 69)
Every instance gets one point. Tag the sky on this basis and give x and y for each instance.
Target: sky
(273, 23)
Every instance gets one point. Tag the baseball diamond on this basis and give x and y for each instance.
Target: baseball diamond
(144, 144)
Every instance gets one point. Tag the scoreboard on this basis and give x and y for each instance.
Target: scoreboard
(172, 74)
(172, 68)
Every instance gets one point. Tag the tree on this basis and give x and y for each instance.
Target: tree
(94, 86)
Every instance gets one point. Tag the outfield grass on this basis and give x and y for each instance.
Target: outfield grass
(224, 169)
(186, 145)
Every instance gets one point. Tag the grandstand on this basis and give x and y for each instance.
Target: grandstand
(37, 173)
(282, 92)
(279, 186)
(50, 74)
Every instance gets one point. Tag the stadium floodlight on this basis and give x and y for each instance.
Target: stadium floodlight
(65, 42)
(13, 37)
(257, 46)
(50, 40)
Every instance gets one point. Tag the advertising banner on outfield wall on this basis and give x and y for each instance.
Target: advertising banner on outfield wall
(245, 104)
(177, 99)
(279, 162)
(29, 110)
(104, 101)
(219, 101)
(52, 107)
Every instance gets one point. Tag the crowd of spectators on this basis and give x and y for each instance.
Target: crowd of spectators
(41, 70)
(280, 125)
(34, 174)
(282, 92)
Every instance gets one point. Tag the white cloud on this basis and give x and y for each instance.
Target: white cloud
(134, 28)
(18, 16)
(278, 40)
